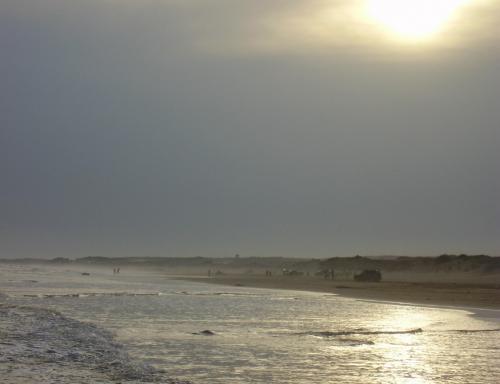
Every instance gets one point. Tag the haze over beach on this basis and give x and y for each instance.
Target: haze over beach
(249, 192)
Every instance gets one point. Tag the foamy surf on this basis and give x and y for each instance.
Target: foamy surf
(43, 346)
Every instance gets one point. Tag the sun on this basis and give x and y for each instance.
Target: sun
(414, 19)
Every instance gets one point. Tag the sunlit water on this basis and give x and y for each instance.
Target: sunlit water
(271, 336)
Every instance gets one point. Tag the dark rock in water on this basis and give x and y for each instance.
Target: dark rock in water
(74, 356)
(50, 351)
(356, 342)
(85, 274)
(206, 332)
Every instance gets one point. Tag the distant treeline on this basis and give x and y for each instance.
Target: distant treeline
(442, 263)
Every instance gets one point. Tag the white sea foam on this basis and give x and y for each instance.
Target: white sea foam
(42, 346)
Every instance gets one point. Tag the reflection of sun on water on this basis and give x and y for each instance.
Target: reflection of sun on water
(404, 354)
(414, 19)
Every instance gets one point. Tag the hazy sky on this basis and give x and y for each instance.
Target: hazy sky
(215, 127)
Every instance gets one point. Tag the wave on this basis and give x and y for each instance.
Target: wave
(351, 342)
(42, 338)
(328, 334)
(216, 294)
(91, 294)
(475, 330)
(363, 332)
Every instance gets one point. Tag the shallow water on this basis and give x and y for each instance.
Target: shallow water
(268, 336)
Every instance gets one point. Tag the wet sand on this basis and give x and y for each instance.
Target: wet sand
(473, 295)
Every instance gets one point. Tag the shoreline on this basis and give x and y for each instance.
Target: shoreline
(42, 345)
(471, 297)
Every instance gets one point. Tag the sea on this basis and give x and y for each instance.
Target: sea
(208, 334)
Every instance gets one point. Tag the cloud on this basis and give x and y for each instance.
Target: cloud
(242, 27)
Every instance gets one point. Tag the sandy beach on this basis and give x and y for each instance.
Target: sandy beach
(470, 294)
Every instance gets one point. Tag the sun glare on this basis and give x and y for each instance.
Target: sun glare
(414, 19)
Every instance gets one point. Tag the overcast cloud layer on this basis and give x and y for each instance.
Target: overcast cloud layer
(215, 127)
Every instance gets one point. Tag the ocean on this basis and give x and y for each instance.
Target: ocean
(204, 333)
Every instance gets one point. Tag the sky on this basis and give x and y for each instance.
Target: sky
(215, 127)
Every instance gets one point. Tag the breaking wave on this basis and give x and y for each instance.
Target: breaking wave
(364, 332)
(92, 294)
(475, 330)
(210, 294)
(354, 332)
(31, 335)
